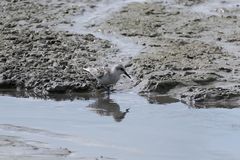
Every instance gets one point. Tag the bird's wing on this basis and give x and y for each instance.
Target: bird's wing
(98, 72)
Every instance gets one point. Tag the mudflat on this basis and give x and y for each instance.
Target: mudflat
(182, 48)
(189, 49)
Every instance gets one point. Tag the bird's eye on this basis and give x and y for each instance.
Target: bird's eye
(121, 69)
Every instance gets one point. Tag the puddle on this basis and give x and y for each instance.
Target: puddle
(126, 126)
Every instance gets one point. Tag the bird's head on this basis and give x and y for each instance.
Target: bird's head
(121, 70)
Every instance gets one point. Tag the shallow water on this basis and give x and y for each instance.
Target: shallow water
(102, 127)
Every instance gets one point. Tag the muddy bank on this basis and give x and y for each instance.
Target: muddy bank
(183, 48)
(12, 147)
(36, 57)
(27, 148)
(15, 147)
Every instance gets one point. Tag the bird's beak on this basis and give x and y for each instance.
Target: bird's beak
(126, 74)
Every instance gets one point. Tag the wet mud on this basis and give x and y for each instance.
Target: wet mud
(179, 44)
(36, 57)
(184, 49)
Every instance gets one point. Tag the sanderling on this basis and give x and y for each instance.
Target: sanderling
(107, 76)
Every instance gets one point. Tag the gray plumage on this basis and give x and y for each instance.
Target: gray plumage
(107, 76)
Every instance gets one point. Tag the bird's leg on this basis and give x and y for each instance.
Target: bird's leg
(108, 91)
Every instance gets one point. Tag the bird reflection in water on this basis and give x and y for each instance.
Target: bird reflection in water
(105, 106)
